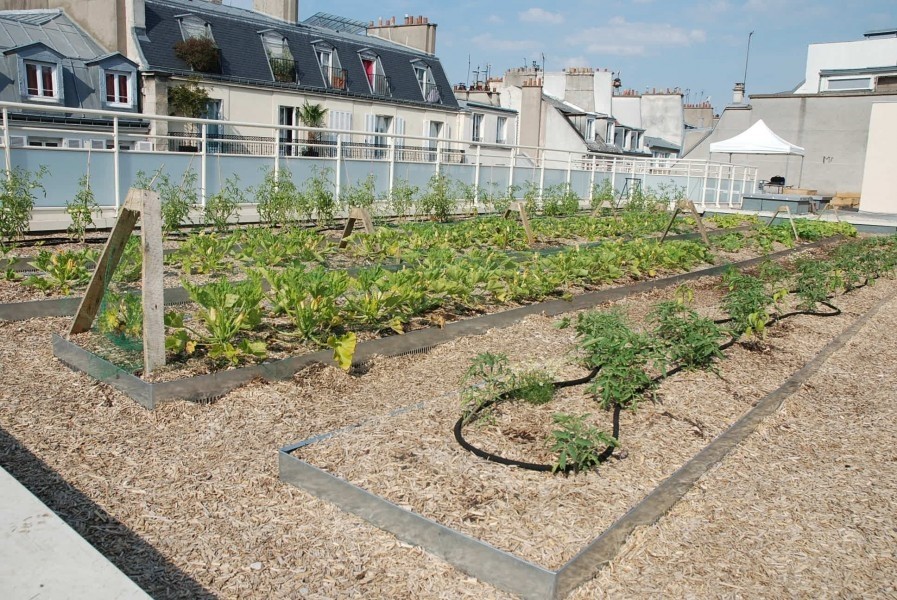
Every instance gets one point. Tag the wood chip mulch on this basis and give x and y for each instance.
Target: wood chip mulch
(186, 499)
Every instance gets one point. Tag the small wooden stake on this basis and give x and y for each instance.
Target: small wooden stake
(354, 215)
(524, 220)
(670, 224)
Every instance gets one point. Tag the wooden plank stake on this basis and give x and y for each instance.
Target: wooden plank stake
(784, 208)
(670, 224)
(688, 204)
(524, 220)
(356, 214)
(106, 265)
(137, 203)
(153, 282)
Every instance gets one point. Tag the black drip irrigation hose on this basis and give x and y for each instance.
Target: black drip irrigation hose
(607, 452)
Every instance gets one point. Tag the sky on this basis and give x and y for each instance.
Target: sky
(697, 46)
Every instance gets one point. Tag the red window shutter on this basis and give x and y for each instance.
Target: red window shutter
(31, 76)
(47, 73)
(369, 70)
(110, 88)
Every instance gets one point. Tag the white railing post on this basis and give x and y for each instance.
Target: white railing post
(688, 180)
(613, 176)
(592, 180)
(276, 153)
(438, 156)
(116, 170)
(743, 186)
(731, 184)
(6, 148)
(511, 170)
(541, 176)
(338, 177)
(202, 164)
(392, 167)
(569, 169)
(756, 175)
(704, 184)
(476, 176)
(719, 183)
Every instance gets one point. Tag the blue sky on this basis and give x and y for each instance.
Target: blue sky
(698, 46)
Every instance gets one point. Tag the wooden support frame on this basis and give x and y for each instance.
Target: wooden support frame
(138, 203)
(356, 214)
(787, 210)
(519, 208)
(682, 206)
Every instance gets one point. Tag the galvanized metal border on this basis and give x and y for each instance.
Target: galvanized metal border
(507, 572)
(214, 385)
(101, 369)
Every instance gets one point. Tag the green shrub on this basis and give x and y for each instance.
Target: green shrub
(17, 196)
(223, 205)
(81, 209)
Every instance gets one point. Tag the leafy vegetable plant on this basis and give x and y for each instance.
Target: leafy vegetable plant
(578, 445)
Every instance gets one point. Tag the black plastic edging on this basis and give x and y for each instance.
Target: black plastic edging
(214, 385)
(494, 566)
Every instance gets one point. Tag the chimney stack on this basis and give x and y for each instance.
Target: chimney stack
(414, 31)
(284, 10)
(738, 94)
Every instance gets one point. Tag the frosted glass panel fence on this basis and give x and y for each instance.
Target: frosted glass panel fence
(116, 155)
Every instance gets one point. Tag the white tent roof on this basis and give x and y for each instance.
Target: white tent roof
(759, 139)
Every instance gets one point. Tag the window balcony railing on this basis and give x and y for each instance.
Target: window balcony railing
(284, 69)
(380, 85)
(335, 78)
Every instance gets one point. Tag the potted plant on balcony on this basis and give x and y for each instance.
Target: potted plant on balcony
(312, 115)
(200, 53)
(283, 67)
(188, 100)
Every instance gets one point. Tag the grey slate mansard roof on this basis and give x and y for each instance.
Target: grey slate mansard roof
(244, 60)
(656, 142)
(31, 32)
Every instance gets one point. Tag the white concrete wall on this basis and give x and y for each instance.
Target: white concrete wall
(604, 92)
(554, 83)
(628, 110)
(663, 117)
(879, 175)
(846, 55)
(833, 129)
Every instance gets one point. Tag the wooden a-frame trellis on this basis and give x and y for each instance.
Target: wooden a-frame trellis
(145, 205)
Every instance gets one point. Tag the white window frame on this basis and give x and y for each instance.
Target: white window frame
(322, 50)
(129, 77)
(476, 127)
(40, 65)
(378, 72)
(501, 130)
(857, 78)
(423, 73)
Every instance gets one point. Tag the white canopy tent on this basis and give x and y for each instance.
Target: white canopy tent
(758, 139)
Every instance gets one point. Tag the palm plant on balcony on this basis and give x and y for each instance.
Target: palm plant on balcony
(312, 115)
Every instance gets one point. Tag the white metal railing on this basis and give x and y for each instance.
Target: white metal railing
(168, 142)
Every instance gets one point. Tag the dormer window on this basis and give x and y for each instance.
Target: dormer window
(280, 58)
(41, 80)
(424, 75)
(373, 71)
(198, 48)
(328, 60)
(194, 27)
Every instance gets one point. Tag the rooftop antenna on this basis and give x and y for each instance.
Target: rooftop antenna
(543, 62)
(747, 57)
(468, 70)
